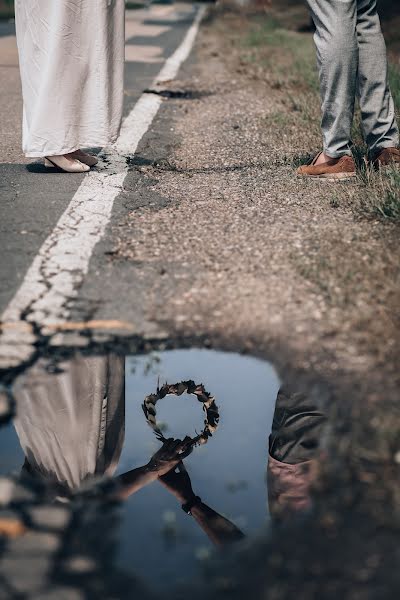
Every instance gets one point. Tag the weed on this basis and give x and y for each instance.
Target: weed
(381, 193)
(301, 159)
(334, 201)
(290, 55)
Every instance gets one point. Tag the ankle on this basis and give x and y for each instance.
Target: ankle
(323, 159)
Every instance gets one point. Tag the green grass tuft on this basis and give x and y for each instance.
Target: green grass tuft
(382, 197)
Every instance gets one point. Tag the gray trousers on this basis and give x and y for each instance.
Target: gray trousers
(352, 62)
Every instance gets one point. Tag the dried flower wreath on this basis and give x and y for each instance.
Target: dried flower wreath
(177, 389)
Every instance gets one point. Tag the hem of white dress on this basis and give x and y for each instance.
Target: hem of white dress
(63, 151)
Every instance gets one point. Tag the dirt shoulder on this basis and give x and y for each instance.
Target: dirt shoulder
(230, 245)
(244, 246)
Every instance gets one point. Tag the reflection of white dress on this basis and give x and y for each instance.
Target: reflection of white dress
(71, 424)
(71, 60)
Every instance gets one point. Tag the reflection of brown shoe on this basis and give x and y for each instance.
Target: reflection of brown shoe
(334, 169)
(386, 158)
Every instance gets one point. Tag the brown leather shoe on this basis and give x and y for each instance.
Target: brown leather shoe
(334, 169)
(386, 158)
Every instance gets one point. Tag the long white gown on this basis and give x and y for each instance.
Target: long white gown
(72, 62)
(71, 425)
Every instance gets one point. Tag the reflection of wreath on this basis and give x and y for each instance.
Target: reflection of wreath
(190, 387)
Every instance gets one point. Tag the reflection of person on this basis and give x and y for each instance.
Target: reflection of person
(71, 62)
(71, 423)
(218, 528)
(71, 427)
(352, 62)
(294, 446)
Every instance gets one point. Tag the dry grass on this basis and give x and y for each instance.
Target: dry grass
(281, 52)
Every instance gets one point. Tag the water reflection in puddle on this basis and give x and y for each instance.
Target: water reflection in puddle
(84, 418)
(228, 472)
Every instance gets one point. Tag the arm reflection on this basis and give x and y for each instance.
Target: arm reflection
(71, 426)
(220, 530)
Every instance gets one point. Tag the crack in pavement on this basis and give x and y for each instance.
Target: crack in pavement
(53, 279)
(63, 260)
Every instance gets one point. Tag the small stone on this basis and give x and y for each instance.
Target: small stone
(169, 517)
(12, 491)
(80, 564)
(6, 491)
(203, 553)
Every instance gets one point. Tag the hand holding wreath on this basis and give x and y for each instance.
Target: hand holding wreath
(169, 455)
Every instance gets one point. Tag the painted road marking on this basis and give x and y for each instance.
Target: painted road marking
(50, 284)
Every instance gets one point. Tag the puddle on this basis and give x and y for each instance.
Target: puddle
(106, 447)
(91, 431)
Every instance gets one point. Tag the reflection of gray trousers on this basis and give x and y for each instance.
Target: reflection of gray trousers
(352, 61)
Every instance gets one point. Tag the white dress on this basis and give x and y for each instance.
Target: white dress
(72, 62)
(71, 424)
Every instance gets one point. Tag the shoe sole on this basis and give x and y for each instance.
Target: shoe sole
(330, 177)
(50, 165)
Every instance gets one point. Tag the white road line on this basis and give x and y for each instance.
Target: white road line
(173, 63)
(62, 262)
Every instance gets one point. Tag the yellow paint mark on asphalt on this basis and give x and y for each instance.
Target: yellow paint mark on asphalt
(85, 325)
(17, 326)
(12, 528)
(69, 326)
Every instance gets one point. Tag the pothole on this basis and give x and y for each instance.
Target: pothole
(81, 439)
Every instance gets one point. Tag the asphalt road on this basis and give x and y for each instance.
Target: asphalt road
(33, 200)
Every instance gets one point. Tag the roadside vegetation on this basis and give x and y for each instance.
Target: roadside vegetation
(6, 9)
(279, 48)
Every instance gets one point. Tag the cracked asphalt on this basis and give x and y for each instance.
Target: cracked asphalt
(32, 200)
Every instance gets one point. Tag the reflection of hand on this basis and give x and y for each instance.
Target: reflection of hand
(178, 483)
(169, 455)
